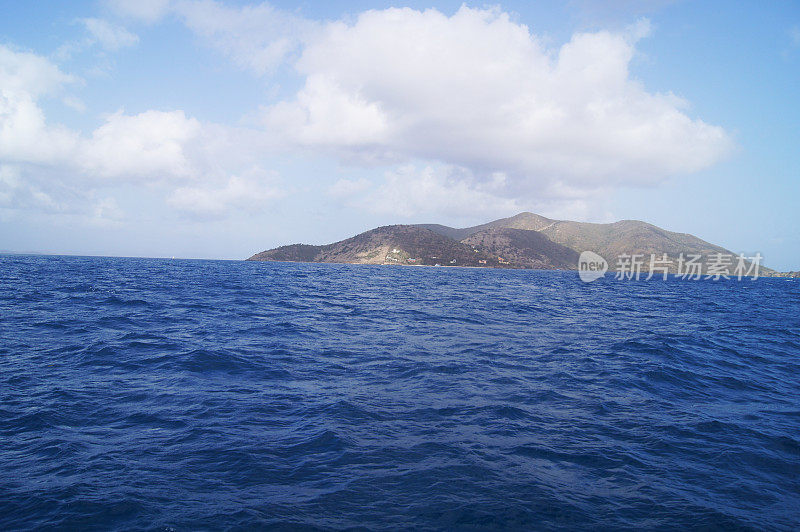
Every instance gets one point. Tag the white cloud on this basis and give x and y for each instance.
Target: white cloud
(26, 192)
(36, 190)
(24, 134)
(496, 118)
(106, 212)
(146, 10)
(255, 37)
(410, 192)
(322, 107)
(449, 193)
(151, 145)
(100, 33)
(111, 37)
(347, 188)
(74, 103)
(48, 167)
(477, 90)
(25, 72)
(243, 193)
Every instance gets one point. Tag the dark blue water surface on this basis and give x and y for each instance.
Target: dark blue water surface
(170, 394)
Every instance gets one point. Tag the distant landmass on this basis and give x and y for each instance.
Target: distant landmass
(526, 240)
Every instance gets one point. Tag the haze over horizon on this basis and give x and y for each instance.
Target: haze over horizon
(201, 128)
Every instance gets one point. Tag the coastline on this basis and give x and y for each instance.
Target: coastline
(446, 266)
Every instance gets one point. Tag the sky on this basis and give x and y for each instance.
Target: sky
(217, 129)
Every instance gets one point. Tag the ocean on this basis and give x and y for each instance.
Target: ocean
(187, 394)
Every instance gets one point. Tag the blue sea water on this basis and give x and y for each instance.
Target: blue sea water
(176, 394)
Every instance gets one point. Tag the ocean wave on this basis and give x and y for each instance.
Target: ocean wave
(151, 394)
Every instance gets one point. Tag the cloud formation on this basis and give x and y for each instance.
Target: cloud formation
(256, 37)
(49, 167)
(409, 191)
(457, 112)
(476, 90)
(24, 134)
(151, 145)
(248, 193)
(146, 10)
(109, 36)
(479, 91)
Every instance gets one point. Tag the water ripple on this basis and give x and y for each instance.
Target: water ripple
(171, 395)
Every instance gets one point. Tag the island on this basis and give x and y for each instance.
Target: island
(526, 240)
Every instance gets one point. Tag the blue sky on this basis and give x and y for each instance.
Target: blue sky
(199, 128)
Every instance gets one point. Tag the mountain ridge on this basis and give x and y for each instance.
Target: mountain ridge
(525, 240)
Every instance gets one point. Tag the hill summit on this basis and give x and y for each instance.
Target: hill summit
(526, 240)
